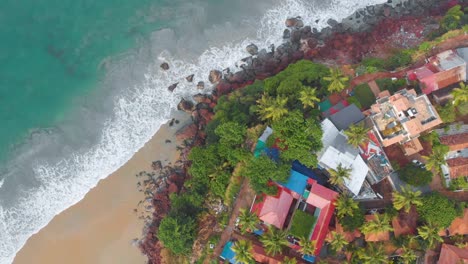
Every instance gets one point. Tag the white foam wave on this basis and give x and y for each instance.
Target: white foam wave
(138, 115)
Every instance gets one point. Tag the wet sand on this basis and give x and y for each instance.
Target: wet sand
(101, 227)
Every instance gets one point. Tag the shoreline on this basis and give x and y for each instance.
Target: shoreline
(104, 227)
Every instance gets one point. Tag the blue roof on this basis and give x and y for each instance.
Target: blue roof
(273, 154)
(297, 182)
(228, 254)
(309, 258)
(304, 170)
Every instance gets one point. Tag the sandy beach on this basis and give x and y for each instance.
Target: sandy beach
(101, 227)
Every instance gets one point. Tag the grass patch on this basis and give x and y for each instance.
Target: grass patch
(364, 95)
(302, 224)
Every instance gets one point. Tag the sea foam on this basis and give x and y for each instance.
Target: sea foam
(138, 114)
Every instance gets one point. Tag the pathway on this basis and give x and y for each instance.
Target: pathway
(244, 200)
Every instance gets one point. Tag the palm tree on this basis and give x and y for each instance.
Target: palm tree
(356, 134)
(337, 241)
(288, 260)
(437, 158)
(377, 225)
(338, 176)
(337, 80)
(243, 250)
(345, 205)
(274, 241)
(460, 94)
(270, 108)
(372, 255)
(408, 256)
(307, 246)
(247, 221)
(308, 97)
(406, 199)
(430, 233)
(452, 18)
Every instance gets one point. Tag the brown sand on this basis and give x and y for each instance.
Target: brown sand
(101, 227)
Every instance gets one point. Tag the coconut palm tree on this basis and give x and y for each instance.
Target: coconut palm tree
(460, 94)
(430, 233)
(437, 158)
(274, 241)
(270, 108)
(380, 223)
(337, 241)
(452, 18)
(307, 246)
(356, 134)
(372, 255)
(243, 250)
(338, 176)
(337, 80)
(247, 221)
(408, 256)
(308, 97)
(345, 205)
(406, 199)
(288, 260)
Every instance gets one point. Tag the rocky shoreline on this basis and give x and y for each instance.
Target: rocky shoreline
(365, 32)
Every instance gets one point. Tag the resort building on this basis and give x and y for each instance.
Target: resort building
(440, 71)
(456, 138)
(451, 254)
(401, 118)
(302, 206)
(336, 151)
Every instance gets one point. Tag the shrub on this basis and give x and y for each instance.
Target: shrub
(364, 94)
(415, 176)
(351, 223)
(177, 235)
(447, 113)
(401, 58)
(354, 100)
(302, 224)
(376, 63)
(390, 85)
(437, 209)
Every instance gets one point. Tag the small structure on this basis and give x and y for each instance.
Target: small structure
(401, 118)
(440, 71)
(452, 254)
(456, 138)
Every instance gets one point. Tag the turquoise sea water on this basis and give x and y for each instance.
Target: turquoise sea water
(51, 50)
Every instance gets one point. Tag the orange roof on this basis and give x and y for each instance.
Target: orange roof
(458, 167)
(412, 147)
(459, 225)
(455, 142)
(452, 254)
(261, 256)
(405, 224)
(273, 210)
(349, 236)
(374, 237)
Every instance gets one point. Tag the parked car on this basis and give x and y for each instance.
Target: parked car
(419, 164)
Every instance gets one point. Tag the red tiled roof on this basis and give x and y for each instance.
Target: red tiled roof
(459, 225)
(261, 256)
(273, 210)
(455, 142)
(374, 237)
(458, 167)
(452, 254)
(405, 224)
(323, 198)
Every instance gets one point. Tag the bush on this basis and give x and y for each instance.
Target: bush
(302, 224)
(437, 209)
(401, 58)
(176, 235)
(351, 223)
(372, 62)
(390, 85)
(354, 100)
(447, 113)
(458, 184)
(415, 176)
(364, 94)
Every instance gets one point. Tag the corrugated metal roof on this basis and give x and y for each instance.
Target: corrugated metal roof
(346, 117)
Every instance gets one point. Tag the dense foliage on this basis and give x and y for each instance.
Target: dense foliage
(437, 209)
(414, 175)
(260, 170)
(302, 224)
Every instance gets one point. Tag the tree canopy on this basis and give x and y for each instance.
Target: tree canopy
(177, 235)
(437, 209)
(414, 175)
(260, 170)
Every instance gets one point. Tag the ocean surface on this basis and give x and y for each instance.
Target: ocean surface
(81, 89)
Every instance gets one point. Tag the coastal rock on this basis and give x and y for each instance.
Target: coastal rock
(189, 78)
(172, 87)
(252, 49)
(186, 106)
(215, 76)
(286, 33)
(332, 22)
(201, 85)
(156, 165)
(164, 66)
(295, 22)
(202, 98)
(188, 132)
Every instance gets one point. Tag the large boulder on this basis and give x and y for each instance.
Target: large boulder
(252, 49)
(186, 106)
(172, 87)
(189, 78)
(201, 85)
(295, 22)
(215, 76)
(164, 66)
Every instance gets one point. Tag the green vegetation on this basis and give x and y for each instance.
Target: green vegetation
(357, 134)
(177, 234)
(447, 112)
(247, 221)
(261, 170)
(380, 223)
(349, 214)
(307, 246)
(437, 209)
(336, 81)
(354, 100)
(430, 234)
(460, 94)
(401, 58)
(414, 175)
(338, 176)
(302, 224)
(373, 62)
(274, 241)
(272, 108)
(458, 184)
(387, 84)
(406, 199)
(364, 94)
(372, 254)
(452, 19)
(437, 157)
(243, 250)
(337, 241)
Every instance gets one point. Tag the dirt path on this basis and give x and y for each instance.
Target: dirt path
(244, 200)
